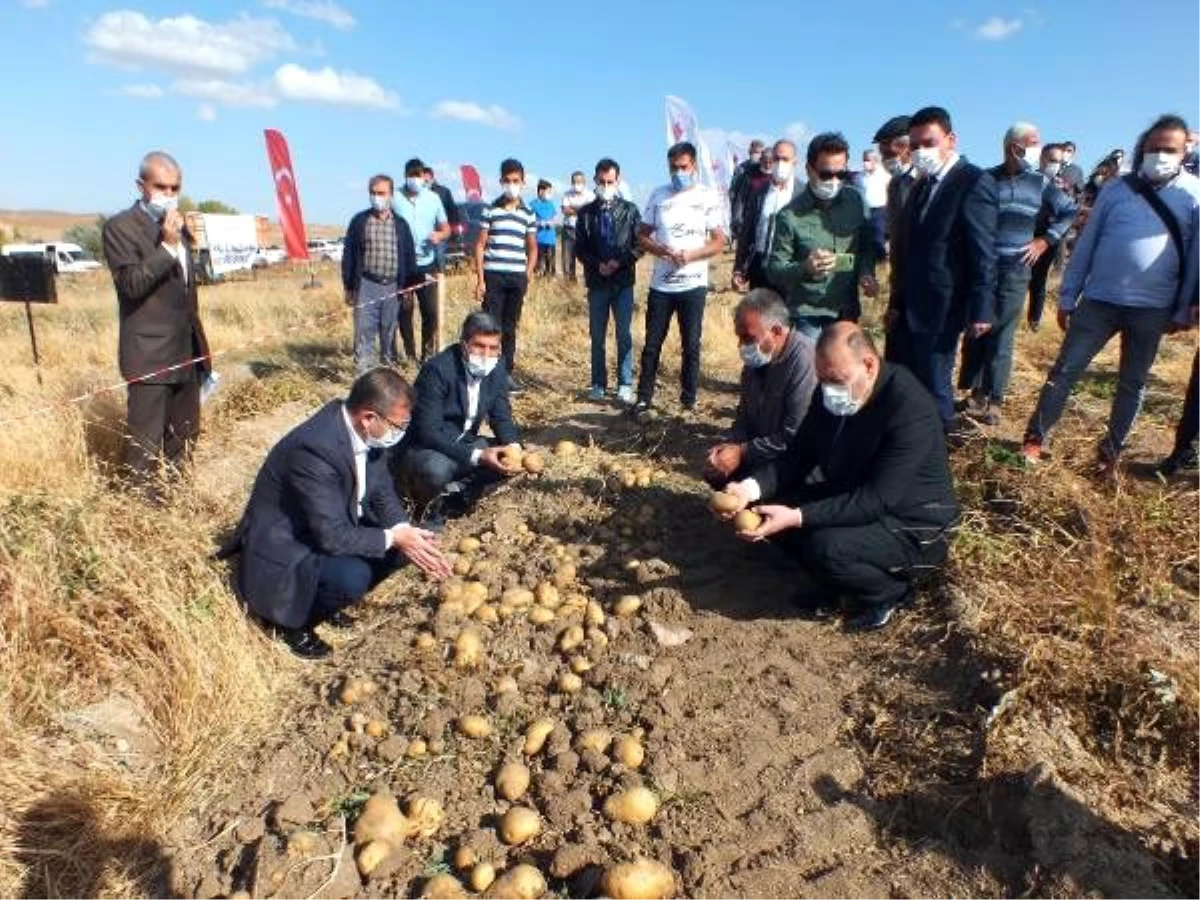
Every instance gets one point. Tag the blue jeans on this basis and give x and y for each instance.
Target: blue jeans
(987, 360)
(811, 326)
(618, 300)
(1092, 326)
(375, 312)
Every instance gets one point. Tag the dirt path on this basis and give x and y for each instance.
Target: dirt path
(762, 732)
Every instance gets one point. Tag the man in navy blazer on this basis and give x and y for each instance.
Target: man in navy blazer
(944, 258)
(324, 525)
(444, 464)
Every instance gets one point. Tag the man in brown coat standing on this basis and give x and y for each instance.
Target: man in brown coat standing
(147, 249)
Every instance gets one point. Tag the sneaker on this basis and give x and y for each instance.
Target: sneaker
(1031, 451)
(642, 411)
(514, 386)
(1178, 461)
(873, 618)
(596, 394)
(625, 393)
(304, 643)
(991, 413)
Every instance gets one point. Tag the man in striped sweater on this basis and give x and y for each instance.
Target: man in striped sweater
(505, 257)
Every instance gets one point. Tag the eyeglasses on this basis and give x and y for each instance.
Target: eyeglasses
(399, 426)
(829, 176)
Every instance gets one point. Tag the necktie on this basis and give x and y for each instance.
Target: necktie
(927, 197)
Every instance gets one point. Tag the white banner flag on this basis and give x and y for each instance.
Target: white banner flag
(231, 241)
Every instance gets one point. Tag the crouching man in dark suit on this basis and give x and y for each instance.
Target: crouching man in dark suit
(444, 465)
(886, 507)
(324, 525)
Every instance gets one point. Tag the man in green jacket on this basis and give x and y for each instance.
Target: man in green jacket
(823, 253)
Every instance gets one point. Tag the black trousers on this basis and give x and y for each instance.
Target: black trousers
(344, 580)
(872, 564)
(503, 297)
(426, 299)
(756, 272)
(423, 474)
(688, 306)
(1038, 276)
(568, 252)
(545, 260)
(162, 427)
(1189, 422)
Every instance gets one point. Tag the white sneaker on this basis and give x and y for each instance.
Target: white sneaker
(625, 393)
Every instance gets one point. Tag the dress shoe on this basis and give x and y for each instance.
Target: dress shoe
(304, 643)
(877, 615)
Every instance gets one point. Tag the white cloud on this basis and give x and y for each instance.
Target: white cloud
(326, 11)
(206, 113)
(998, 29)
(227, 93)
(329, 86)
(141, 91)
(465, 111)
(185, 43)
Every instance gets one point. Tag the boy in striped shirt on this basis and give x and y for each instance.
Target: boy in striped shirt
(505, 257)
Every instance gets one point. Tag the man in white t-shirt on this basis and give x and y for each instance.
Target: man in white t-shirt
(573, 200)
(875, 180)
(681, 226)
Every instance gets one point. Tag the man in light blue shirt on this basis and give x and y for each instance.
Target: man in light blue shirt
(425, 214)
(1133, 273)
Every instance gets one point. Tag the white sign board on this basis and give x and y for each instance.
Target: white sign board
(232, 242)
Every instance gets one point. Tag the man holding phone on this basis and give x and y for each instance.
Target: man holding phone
(823, 253)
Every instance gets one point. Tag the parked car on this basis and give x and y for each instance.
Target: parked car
(464, 234)
(269, 256)
(67, 258)
(325, 250)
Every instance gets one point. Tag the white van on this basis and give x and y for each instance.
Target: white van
(66, 257)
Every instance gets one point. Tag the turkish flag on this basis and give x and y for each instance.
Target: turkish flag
(290, 217)
(470, 180)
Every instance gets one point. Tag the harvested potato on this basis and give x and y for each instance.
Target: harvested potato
(444, 886)
(629, 752)
(570, 638)
(594, 739)
(594, 614)
(356, 690)
(746, 520)
(626, 606)
(533, 463)
(462, 566)
(522, 882)
(371, 855)
(358, 722)
(723, 502)
(473, 726)
(569, 683)
(381, 820)
(482, 876)
(487, 614)
(467, 649)
(519, 825)
(629, 479)
(564, 575)
(518, 598)
(580, 664)
(511, 457)
(424, 641)
(643, 879)
(506, 684)
(465, 858)
(451, 591)
(425, 817)
(416, 748)
(643, 479)
(597, 637)
(512, 781)
(636, 806)
(539, 615)
(469, 545)
(340, 749)
(535, 736)
(303, 843)
(565, 448)
(546, 594)
(376, 728)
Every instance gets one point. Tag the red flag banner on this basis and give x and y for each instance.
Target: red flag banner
(471, 185)
(290, 217)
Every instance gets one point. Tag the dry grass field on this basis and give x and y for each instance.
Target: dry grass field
(1031, 727)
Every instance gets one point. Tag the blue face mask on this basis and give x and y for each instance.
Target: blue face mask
(681, 181)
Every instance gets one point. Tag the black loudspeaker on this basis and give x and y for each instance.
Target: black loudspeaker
(27, 279)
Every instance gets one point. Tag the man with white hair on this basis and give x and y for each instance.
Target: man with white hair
(1023, 193)
(874, 181)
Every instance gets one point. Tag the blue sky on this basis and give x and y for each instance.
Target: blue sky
(358, 87)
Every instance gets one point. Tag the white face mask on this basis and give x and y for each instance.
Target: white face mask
(1067, 157)
(754, 356)
(1031, 155)
(161, 204)
(512, 191)
(379, 203)
(480, 366)
(927, 159)
(578, 188)
(826, 190)
(1160, 167)
(839, 400)
(1051, 169)
(414, 185)
(783, 170)
(895, 166)
(391, 438)
(606, 192)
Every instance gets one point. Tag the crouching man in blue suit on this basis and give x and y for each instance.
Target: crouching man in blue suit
(324, 525)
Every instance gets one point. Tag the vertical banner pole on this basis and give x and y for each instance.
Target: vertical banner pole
(37, 360)
(441, 309)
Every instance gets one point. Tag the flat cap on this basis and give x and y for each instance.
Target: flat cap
(895, 127)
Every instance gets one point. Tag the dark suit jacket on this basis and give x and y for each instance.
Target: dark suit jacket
(159, 313)
(441, 409)
(448, 203)
(749, 224)
(303, 507)
(946, 262)
(356, 246)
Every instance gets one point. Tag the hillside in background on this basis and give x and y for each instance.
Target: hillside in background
(48, 225)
